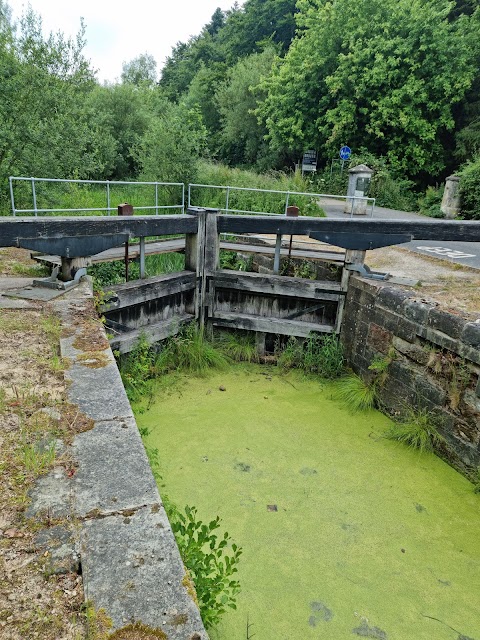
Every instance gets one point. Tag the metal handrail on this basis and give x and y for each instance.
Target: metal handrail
(229, 189)
(107, 183)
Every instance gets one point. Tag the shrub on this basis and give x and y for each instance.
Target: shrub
(429, 204)
(470, 190)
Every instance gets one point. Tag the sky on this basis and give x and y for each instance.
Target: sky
(117, 32)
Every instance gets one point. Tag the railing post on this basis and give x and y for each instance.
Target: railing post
(276, 261)
(142, 257)
(156, 199)
(183, 197)
(108, 198)
(189, 196)
(227, 200)
(34, 196)
(11, 195)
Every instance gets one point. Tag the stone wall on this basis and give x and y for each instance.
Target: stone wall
(433, 360)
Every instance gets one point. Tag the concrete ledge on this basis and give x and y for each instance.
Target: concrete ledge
(112, 475)
(140, 553)
(110, 508)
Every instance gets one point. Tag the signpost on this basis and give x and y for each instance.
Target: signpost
(345, 153)
(309, 162)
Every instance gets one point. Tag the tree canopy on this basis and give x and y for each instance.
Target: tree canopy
(259, 84)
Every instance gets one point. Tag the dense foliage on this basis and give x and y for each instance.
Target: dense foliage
(397, 80)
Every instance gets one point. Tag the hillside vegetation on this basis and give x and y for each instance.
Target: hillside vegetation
(396, 80)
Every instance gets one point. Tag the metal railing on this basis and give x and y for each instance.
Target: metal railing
(108, 186)
(352, 201)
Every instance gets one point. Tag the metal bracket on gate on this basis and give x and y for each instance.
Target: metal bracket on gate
(54, 283)
(366, 272)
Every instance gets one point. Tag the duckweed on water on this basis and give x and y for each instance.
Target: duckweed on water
(344, 532)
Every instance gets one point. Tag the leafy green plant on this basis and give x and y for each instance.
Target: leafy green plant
(470, 190)
(211, 560)
(231, 260)
(263, 200)
(416, 430)
(380, 366)
(137, 369)
(356, 393)
(429, 204)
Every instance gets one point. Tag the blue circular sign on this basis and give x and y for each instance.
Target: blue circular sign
(345, 153)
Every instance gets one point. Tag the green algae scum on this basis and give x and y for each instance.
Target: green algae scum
(345, 534)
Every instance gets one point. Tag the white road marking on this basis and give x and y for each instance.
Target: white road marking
(450, 253)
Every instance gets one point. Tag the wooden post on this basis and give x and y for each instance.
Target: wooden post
(195, 261)
(260, 343)
(212, 259)
(142, 257)
(352, 256)
(276, 261)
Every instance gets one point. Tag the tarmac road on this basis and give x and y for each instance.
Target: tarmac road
(465, 253)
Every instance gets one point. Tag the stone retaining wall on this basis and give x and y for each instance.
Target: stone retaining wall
(433, 360)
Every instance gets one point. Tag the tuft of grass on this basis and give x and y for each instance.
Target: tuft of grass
(321, 355)
(240, 347)
(190, 351)
(37, 459)
(416, 430)
(356, 394)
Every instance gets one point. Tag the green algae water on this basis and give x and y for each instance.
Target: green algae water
(344, 533)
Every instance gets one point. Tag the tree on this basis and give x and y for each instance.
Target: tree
(172, 144)
(382, 74)
(142, 70)
(45, 129)
(242, 134)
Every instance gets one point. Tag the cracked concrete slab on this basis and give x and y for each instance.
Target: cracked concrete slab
(98, 392)
(51, 495)
(113, 470)
(138, 554)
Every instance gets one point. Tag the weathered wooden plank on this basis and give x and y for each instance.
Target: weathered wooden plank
(110, 255)
(12, 230)
(153, 333)
(268, 325)
(337, 257)
(460, 230)
(277, 285)
(137, 292)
